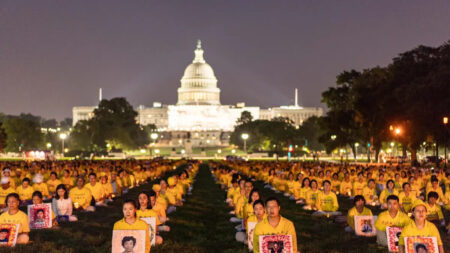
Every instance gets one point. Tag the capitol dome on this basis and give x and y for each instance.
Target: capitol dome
(198, 84)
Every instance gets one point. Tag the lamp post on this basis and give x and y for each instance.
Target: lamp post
(244, 136)
(62, 136)
(445, 121)
(153, 136)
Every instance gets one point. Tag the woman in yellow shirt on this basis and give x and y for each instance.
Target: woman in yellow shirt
(143, 211)
(131, 222)
(420, 227)
(406, 198)
(25, 190)
(311, 196)
(389, 190)
(302, 192)
(15, 216)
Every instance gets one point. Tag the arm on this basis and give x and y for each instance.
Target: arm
(70, 207)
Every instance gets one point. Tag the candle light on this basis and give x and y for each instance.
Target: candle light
(76, 205)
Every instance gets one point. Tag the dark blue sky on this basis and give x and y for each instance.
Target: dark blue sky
(56, 54)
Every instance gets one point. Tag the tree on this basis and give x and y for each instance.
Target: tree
(22, 134)
(246, 117)
(311, 131)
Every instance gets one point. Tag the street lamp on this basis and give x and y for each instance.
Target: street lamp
(62, 136)
(445, 121)
(244, 136)
(153, 136)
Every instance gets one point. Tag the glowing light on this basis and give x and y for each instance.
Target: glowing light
(143, 151)
(156, 151)
(49, 145)
(392, 144)
(63, 136)
(233, 151)
(244, 136)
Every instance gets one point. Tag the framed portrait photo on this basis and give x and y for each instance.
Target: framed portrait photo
(8, 234)
(40, 216)
(365, 226)
(393, 235)
(128, 241)
(151, 221)
(250, 229)
(421, 245)
(275, 244)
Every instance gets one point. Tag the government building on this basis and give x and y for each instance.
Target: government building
(198, 118)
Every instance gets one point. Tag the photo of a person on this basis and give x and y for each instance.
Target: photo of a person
(40, 217)
(277, 247)
(420, 248)
(4, 236)
(366, 226)
(397, 238)
(128, 243)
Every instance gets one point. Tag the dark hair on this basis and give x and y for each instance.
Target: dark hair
(148, 202)
(303, 181)
(259, 201)
(272, 199)
(404, 184)
(151, 193)
(130, 201)
(371, 180)
(13, 194)
(315, 181)
(433, 195)
(82, 178)
(392, 197)
(92, 174)
(251, 193)
(26, 179)
(40, 210)
(54, 173)
(434, 179)
(389, 181)
(128, 238)
(4, 230)
(420, 246)
(61, 186)
(37, 193)
(358, 198)
(326, 181)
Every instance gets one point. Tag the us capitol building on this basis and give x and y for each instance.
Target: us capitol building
(198, 117)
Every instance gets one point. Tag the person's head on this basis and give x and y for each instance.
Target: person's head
(5, 182)
(248, 186)
(37, 197)
(241, 183)
(12, 201)
(326, 185)
(40, 214)
(314, 184)
(152, 197)
(359, 201)
(392, 203)
(163, 184)
(390, 184)
(143, 200)
(128, 243)
(4, 233)
(371, 183)
(61, 192)
(93, 178)
(406, 187)
(421, 248)
(273, 207)
(258, 208)
(53, 176)
(305, 182)
(432, 197)
(129, 209)
(66, 173)
(434, 181)
(26, 182)
(80, 182)
(104, 179)
(254, 195)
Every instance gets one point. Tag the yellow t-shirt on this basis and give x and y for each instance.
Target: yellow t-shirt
(18, 218)
(4, 193)
(52, 184)
(384, 194)
(25, 193)
(385, 220)
(42, 187)
(346, 188)
(434, 212)
(405, 201)
(327, 202)
(285, 227)
(354, 212)
(358, 188)
(81, 196)
(429, 230)
(96, 190)
(68, 181)
(137, 225)
(311, 197)
(148, 213)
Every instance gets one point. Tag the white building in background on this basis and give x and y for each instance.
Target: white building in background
(198, 117)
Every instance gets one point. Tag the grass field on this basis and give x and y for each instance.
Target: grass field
(201, 225)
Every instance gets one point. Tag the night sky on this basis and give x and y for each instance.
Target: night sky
(56, 54)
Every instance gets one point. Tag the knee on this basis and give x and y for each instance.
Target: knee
(23, 238)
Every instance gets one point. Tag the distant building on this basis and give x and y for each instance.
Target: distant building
(198, 117)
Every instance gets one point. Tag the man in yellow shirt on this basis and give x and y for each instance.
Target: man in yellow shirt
(434, 211)
(15, 216)
(5, 190)
(406, 198)
(52, 183)
(81, 196)
(393, 217)
(327, 203)
(274, 224)
(25, 191)
(420, 227)
(96, 189)
(358, 210)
